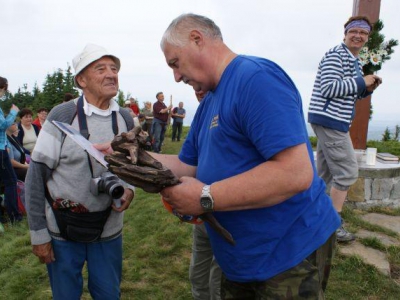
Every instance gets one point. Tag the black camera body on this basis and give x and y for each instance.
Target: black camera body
(107, 183)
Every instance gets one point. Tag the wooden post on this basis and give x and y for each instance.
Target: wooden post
(359, 126)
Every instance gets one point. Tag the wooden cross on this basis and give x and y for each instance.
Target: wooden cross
(359, 127)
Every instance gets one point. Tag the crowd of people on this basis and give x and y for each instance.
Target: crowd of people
(22, 136)
(17, 141)
(252, 168)
(155, 119)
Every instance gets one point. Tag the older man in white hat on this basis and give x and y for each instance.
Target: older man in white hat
(72, 213)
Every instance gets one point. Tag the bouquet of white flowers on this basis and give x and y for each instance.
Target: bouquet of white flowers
(374, 56)
(376, 50)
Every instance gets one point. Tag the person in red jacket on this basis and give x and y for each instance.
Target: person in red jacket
(134, 106)
(41, 117)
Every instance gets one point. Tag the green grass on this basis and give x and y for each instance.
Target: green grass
(157, 250)
(352, 279)
(354, 222)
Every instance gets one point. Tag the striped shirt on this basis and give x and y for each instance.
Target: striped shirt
(339, 83)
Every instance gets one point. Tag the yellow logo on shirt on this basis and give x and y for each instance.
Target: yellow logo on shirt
(214, 122)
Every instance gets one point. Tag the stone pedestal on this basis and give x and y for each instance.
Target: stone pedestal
(377, 185)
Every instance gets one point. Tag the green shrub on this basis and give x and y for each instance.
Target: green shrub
(390, 146)
(313, 141)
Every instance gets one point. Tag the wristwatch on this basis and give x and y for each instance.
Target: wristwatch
(206, 200)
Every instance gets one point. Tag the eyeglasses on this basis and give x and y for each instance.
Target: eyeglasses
(355, 32)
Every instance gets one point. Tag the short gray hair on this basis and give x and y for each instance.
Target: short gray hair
(185, 23)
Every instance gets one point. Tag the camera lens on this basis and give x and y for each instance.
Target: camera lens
(114, 189)
(107, 183)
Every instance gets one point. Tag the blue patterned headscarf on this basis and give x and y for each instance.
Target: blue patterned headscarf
(358, 24)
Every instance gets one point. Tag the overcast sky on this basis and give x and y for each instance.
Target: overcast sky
(40, 36)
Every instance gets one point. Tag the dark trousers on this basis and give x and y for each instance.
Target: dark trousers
(147, 127)
(9, 180)
(21, 173)
(176, 127)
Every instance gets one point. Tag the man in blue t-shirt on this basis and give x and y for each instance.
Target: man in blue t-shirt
(178, 114)
(247, 159)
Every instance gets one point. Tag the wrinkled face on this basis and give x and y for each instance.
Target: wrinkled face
(100, 78)
(187, 65)
(355, 38)
(26, 120)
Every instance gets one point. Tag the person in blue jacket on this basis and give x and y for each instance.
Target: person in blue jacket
(7, 174)
(247, 160)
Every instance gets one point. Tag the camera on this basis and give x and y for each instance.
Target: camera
(107, 183)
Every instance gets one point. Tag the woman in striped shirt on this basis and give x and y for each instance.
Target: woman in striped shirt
(338, 84)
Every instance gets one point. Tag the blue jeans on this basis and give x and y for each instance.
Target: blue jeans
(9, 179)
(104, 265)
(158, 130)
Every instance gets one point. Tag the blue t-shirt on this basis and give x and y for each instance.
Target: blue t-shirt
(254, 113)
(179, 111)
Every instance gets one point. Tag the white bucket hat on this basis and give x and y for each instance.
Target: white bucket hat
(90, 54)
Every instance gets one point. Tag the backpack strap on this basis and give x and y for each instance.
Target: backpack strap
(127, 117)
(67, 111)
(83, 128)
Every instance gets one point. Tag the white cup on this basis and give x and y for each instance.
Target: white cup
(371, 156)
(360, 155)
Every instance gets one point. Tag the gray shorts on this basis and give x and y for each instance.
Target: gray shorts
(336, 159)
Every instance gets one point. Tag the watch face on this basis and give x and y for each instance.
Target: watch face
(206, 203)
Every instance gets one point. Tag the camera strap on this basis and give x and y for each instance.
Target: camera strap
(83, 128)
